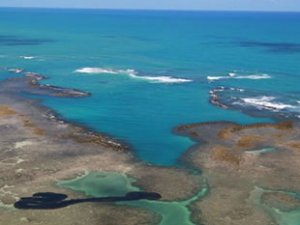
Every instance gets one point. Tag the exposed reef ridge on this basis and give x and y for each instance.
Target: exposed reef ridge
(255, 103)
(30, 83)
(238, 158)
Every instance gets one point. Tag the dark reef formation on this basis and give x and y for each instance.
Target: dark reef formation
(30, 83)
(274, 47)
(273, 105)
(14, 40)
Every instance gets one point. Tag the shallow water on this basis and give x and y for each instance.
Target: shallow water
(261, 151)
(291, 217)
(101, 184)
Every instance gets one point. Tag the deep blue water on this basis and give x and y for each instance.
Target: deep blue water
(185, 45)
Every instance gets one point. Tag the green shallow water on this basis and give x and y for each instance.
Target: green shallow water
(101, 184)
(261, 151)
(291, 217)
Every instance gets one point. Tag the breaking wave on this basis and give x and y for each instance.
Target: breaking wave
(267, 102)
(236, 76)
(257, 103)
(27, 57)
(133, 74)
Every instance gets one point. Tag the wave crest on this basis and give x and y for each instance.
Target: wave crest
(257, 103)
(97, 70)
(235, 76)
(267, 102)
(133, 74)
(27, 57)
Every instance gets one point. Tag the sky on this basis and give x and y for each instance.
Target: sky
(248, 5)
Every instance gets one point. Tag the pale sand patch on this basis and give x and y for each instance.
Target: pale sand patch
(19, 170)
(3, 189)
(20, 160)
(22, 144)
(6, 206)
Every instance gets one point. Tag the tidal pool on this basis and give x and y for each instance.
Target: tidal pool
(281, 217)
(261, 151)
(101, 184)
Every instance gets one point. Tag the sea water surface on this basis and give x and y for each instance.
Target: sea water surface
(149, 71)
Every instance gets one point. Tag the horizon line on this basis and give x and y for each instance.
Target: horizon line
(142, 9)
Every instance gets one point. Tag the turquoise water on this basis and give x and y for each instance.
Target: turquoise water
(103, 184)
(184, 46)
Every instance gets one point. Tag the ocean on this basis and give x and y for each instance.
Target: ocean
(150, 71)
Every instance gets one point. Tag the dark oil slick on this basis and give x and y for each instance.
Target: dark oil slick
(49, 200)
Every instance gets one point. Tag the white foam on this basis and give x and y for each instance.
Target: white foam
(213, 78)
(266, 102)
(235, 76)
(133, 74)
(15, 70)
(96, 70)
(237, 89)
(28, 57)
(161, 79)
(254, 77)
